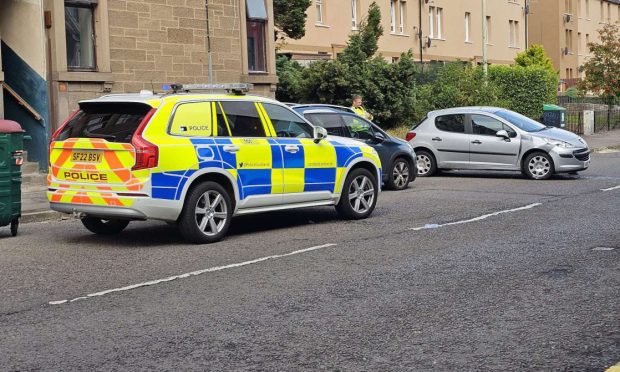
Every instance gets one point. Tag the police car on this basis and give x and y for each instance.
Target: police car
(198, 159)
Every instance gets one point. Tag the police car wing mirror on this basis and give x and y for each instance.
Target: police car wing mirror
(319, 134)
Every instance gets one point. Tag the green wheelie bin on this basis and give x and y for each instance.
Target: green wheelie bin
(11, 159)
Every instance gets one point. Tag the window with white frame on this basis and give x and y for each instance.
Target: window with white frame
(318, 4)
(401, 13)
(467, 27)
(487, 30)
(439, 23)
(354, 22)
(393, 15)
(514, 33)
(431, 21)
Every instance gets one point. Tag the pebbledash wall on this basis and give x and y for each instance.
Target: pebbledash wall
(88, 48)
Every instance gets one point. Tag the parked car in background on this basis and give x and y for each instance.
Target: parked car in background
(491, 138)
(397, 156)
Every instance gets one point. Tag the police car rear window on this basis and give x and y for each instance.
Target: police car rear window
(114, 122)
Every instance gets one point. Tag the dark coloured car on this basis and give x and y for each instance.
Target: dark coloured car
(397, 156)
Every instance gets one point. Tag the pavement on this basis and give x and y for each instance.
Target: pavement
(35, 206)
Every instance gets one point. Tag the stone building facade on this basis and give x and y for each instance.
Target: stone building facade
(94, 47)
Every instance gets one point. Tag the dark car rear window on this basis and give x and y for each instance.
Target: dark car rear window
(114, 122)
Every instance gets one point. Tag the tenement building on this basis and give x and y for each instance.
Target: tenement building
(55, 53)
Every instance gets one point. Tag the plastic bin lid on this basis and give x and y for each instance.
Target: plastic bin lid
(550, 107)
(9, 126)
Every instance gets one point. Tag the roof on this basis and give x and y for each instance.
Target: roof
(466, 109)
(157, 99)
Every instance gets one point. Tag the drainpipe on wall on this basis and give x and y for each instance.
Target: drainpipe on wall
(420, 35)
(485, 37)
(526, 10)
(209, 53)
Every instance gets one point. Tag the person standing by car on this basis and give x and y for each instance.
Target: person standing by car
(359, 109)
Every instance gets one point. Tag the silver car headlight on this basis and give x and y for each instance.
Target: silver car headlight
(557, 143)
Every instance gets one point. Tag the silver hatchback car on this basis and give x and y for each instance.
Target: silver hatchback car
(491, 138)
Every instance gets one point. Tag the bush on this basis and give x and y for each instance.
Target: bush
(525, 89)
(289, 79)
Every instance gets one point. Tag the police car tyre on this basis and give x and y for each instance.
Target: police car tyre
(359, 195)
(206, 215)
(14, 227)
(400, 175)
(538, 166)
(104, 227)
(425, 163)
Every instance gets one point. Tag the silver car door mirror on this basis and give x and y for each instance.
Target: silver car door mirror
(502, 133)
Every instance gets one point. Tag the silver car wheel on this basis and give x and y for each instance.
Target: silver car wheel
(211, 213)
(400, 174)
(361, 194)
(424, 164)
(539, 166)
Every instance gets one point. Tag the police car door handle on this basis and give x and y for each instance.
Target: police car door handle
(291, 148)
(231, 148)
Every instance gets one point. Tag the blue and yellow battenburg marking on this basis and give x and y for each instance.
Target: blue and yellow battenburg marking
(263, 166)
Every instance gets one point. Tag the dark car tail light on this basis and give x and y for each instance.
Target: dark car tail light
(409, 136)
(147, 154)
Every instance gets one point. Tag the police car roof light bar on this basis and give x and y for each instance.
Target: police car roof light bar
(235, 88)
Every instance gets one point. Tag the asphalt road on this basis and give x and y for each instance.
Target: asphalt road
(435, 280)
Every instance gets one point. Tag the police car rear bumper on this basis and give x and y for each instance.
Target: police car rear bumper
(99, 211)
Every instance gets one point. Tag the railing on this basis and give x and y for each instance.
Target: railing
(604, 120)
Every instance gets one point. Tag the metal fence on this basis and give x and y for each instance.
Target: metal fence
(606, 117)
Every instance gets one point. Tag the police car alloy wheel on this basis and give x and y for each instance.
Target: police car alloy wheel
(359, 195)
(400, 176)
(207, 213)
(538, 166)
(103, 226)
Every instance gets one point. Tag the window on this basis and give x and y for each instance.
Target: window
(488, 126)
(608, 12)
(243, 119)
(114, 122)
(333, 123)
(435, 22)
(579, 40)
(401, 13)
(256, 29)
(80, 34)
(467, 27)
(192, 119)
(354, 14)
(587, 43)
(358, 127)
(602, 12)
(569, 40)
(520, 121)
(568, 6)
(286, 123)
(587, 2)
(439, 24)
(514, 33)
(319, 11)
(488, 29)
(451, 123)
(393, 16)
(431, 22)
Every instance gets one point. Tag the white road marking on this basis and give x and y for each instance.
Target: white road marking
(475, 219)
(193, 273)
(611, 188)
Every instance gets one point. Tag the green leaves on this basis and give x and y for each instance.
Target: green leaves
(290, 17)
(602, 69)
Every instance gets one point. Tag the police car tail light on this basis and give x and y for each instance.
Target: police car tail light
(147, 154)
(410, 136)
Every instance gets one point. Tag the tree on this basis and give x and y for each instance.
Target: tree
(535, 55)
(365, 43)
(602, 69)
(290, 17)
